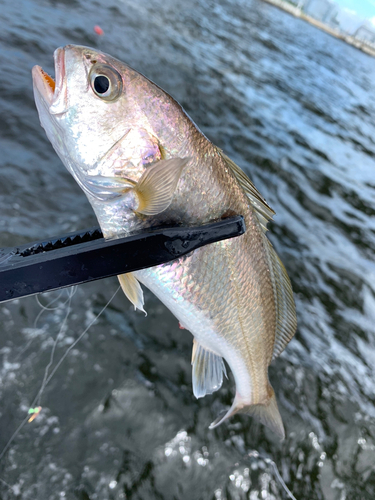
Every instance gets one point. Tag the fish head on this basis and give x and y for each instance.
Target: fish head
(72, 110)
(106, 121)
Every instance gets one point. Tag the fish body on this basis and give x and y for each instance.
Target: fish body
(142, 162)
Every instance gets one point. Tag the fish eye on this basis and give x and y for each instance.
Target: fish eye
(106, 82)
(101, 84)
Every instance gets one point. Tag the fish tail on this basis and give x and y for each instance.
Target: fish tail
(266, 413)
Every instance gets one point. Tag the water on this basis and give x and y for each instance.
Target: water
(295, 109)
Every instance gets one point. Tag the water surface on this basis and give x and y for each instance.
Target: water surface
(295, 108)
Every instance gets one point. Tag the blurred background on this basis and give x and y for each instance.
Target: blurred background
(349, 20)
(295, 108)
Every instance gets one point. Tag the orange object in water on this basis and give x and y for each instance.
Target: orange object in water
(98, 30)
(34, 412)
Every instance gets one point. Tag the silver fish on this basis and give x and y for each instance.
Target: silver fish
(141, 162)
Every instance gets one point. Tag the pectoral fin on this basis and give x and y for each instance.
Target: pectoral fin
(151, 195)
(156, 187)
(132, 289)
(208, 369)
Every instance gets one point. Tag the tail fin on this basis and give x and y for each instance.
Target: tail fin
(268, 414)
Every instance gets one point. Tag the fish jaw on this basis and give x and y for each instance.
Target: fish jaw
(50, 95)
(49, 92)
(51, 99)
(43, 88)
(69, 111)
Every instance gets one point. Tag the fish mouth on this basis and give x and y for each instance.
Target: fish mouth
(52, 91)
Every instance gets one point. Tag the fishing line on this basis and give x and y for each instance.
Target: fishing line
(48, 306)
(46, 378)
(43, 308)
(256, 454)
(79, 338)
(72, 291)
(13, 436)
(6, 484)
(26, 419)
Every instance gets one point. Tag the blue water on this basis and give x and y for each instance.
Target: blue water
(295, 108)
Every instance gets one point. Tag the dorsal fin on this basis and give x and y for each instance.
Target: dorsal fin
(263, 211)
(286, 321)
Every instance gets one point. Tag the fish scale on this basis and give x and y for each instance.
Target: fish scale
(231, 313)
(142, 162)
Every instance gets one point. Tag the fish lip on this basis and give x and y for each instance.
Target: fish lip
(54, 99)
(42, 86)
(59, 102)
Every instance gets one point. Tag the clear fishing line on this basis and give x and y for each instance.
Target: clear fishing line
(269, 461)
(48, 306)
(43, 308)
(47, 378)
(79, 338)
(72, 291)
(6, 484)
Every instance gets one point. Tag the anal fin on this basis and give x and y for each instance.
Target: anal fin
(132, 289)
(208, 369)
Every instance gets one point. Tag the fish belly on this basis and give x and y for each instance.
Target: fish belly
(222, 294)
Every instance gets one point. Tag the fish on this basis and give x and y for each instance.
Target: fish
(142, 162)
